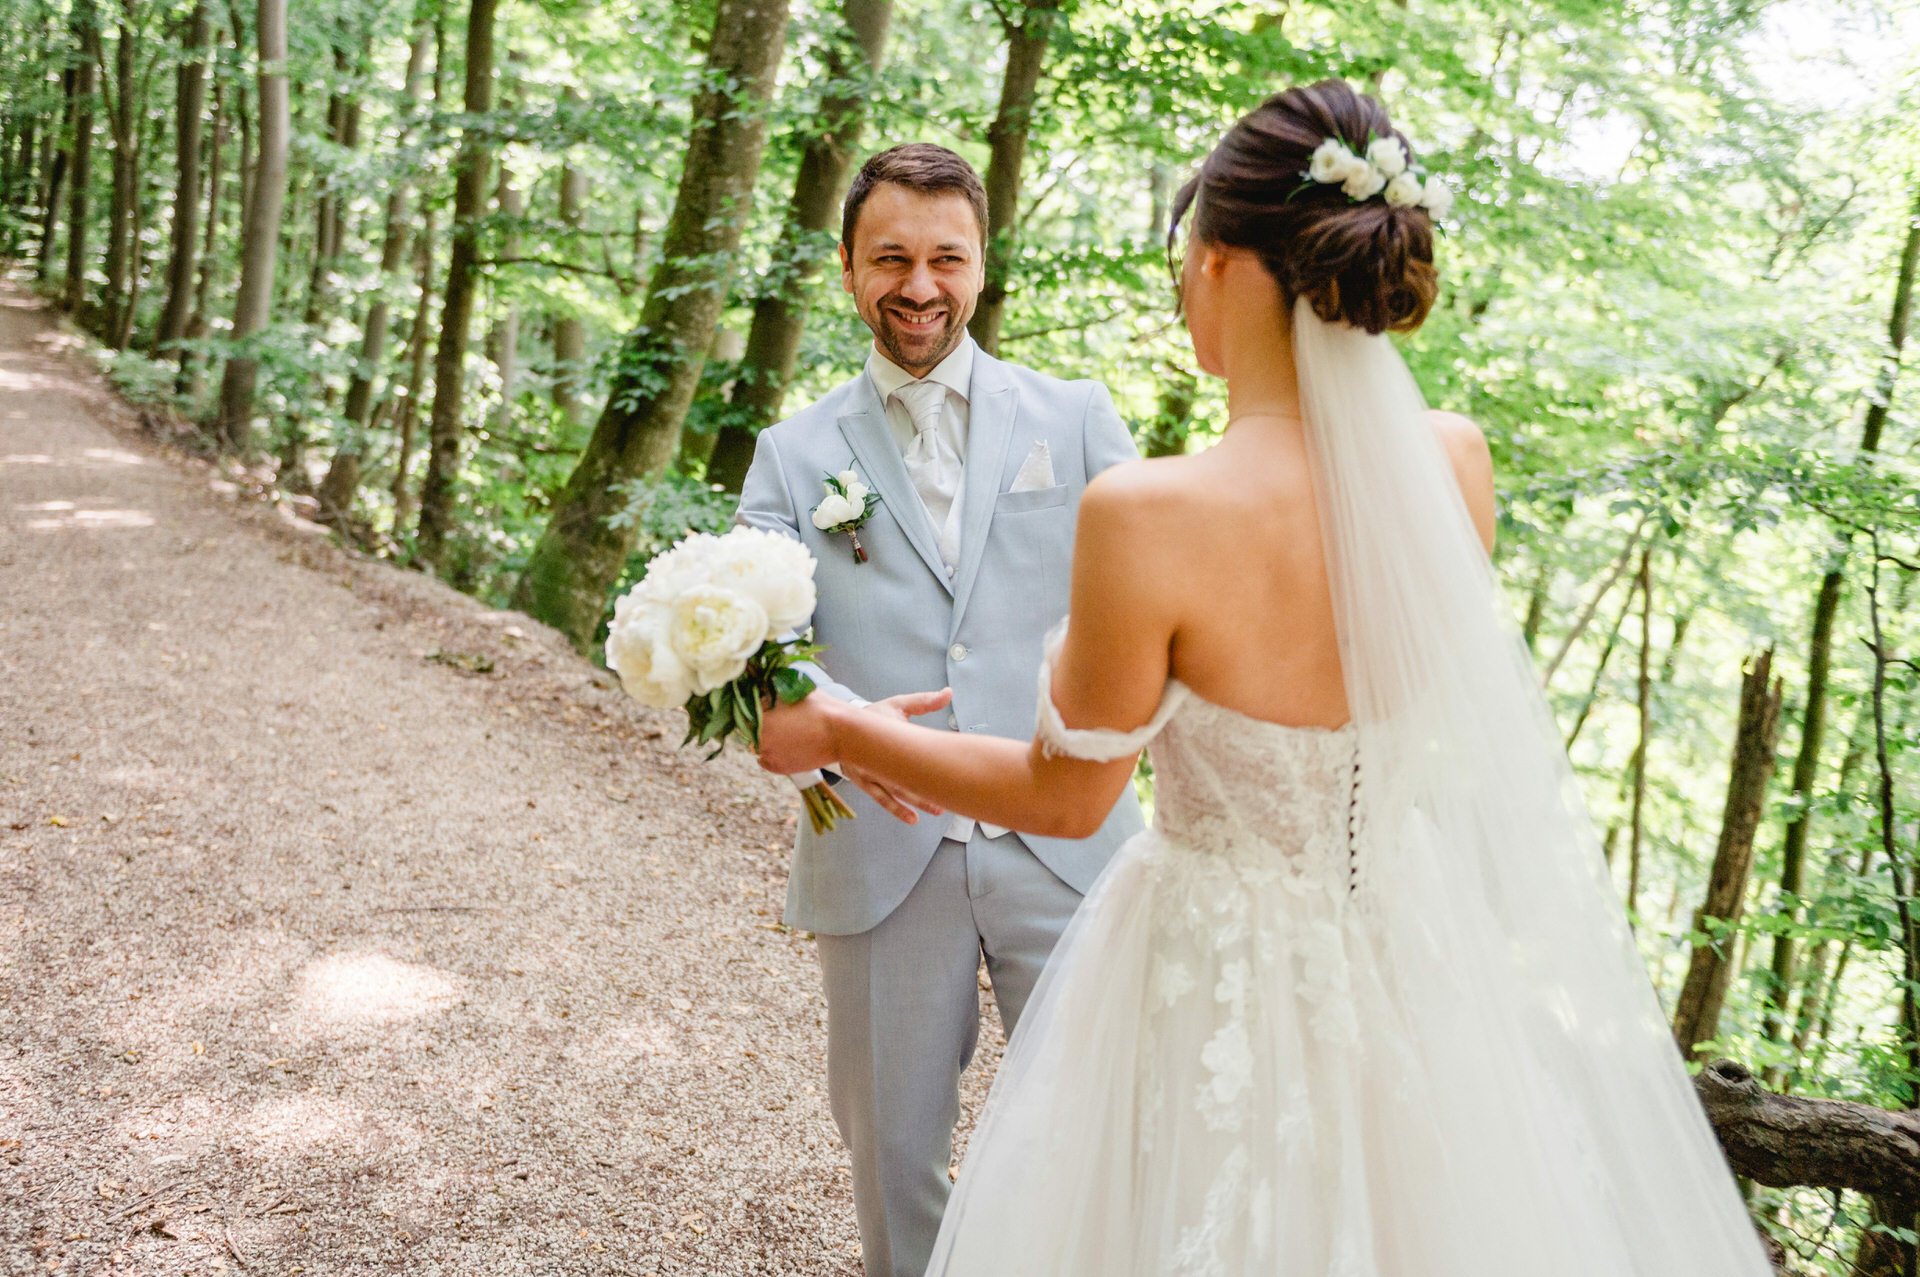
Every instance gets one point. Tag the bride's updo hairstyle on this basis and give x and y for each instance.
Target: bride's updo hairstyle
(1369, 264)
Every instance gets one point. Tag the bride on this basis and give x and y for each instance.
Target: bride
(1363, 1001)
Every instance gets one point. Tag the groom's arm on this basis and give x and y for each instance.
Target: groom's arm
(766, 503)
(1104, 435)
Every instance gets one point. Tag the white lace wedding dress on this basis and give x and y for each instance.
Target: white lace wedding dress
(1362, 1002)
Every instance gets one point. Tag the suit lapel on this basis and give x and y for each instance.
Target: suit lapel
(865, 428)
(992, 407)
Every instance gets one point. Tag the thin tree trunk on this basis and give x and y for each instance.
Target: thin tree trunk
(569, 333)
(579, 556)
(190, 108)
(1027, 44)
(1600, 666)
(190, 382)
(1536, 607)
(1167, 435)
(456, 310)
(126, 178)
(419, 339)
(338, 489)
(503, 339)
(57, 167)
(254, 306)
(1806, 765)
(1592, 605)
(85, 35)
(1637, 826)
(780, 315)
(1756, 739)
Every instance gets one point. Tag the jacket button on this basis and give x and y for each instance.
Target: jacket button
(958, 651)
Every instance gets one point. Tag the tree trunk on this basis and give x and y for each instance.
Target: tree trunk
(456, 310)
(254, 306)
(579, 558)
(192, 363)
(1027, 45)
(190, 95)
(418, 339)
(1756, 740)
(503, 339)
(1637, 827)
(338, 489)
(1585, 618)
(83, 95)
(780, 315)
(1600, 666)
(56, 170)
(343, 130)
(569, 333)
(121, 123)
(1806, 765)
(1167, 436)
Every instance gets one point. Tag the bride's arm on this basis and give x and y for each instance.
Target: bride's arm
(1111, 673)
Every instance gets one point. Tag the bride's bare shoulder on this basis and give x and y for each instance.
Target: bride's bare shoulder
(1144, 489)
(1466, 448)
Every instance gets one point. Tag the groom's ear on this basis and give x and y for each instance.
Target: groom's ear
(846, 269)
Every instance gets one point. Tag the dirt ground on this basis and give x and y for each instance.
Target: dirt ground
(349, 927)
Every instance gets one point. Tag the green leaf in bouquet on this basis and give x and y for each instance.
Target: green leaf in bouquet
(791, 686)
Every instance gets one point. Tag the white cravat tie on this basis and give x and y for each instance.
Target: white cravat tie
(932, 463)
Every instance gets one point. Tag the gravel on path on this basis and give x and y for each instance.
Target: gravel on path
(347, 926)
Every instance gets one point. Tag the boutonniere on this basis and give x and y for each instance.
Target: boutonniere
(846, 508)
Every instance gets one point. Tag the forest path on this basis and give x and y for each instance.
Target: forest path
(320, 955)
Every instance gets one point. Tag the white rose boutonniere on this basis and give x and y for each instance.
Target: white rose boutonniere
(848, 505)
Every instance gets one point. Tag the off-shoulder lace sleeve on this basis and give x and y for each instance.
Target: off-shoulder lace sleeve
(1095, 744)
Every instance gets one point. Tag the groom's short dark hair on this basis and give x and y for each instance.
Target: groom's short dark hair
(918, 166)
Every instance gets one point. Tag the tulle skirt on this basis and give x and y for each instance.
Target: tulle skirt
(1241, 1064)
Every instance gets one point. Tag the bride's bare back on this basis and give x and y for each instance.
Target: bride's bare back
(1218, 562)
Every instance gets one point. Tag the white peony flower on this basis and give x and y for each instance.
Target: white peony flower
(1365, 182)
(1331, 162)
(773, 570)
(833, 511)
(1389, 155)
(713, 631)
(1436, 198)
(1404, 191)
(857, 494)
(847, 478)
(638, 651)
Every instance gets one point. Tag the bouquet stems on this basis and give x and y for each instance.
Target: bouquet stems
(824, 807)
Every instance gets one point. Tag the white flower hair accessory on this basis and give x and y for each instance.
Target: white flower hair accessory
(1385, 170)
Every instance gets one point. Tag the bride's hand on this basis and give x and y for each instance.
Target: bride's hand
(799, 738)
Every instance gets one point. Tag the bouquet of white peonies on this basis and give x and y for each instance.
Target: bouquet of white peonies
(702, 630)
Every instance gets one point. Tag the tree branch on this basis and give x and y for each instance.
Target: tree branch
(1785, 1141)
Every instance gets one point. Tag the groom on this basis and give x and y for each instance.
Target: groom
(979, 466)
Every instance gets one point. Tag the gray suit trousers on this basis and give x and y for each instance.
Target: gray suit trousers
(903, 1016)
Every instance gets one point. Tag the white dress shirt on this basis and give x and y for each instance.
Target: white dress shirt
(955, 373)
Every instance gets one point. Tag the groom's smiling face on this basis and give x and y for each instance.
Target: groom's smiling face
(915, 270)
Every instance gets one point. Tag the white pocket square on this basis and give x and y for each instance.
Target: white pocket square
(1036, 471)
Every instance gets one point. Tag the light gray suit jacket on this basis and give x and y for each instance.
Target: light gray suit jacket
(894, 624)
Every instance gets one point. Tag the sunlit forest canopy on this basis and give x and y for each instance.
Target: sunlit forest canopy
(505, 290)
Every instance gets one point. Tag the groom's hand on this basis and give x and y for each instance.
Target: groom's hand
(898, 801)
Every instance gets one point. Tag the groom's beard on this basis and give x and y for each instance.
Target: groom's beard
(920, 348)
